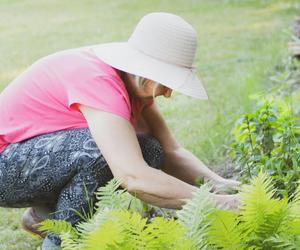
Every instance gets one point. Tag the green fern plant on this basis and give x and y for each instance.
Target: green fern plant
(125, 230)
(195, 216)
(263, 222)
(224, 230)
(137, 234)
(118, 224)
(58, 227)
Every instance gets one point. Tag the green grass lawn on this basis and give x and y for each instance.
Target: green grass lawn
(240, 42)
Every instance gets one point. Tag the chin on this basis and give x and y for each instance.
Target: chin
(146, 97)
(143, 96)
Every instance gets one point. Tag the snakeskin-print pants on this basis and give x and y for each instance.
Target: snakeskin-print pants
(60, 170)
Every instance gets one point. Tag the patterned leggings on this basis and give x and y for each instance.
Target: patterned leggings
(60, 170)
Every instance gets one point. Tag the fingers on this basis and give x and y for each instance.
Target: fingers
(226, 186)
(228, 202)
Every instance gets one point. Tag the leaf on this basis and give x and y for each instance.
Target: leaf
(257, 202)
(108, 235)
(194, 216)
(167, 234)
(68, 243)
(58, 227)
(224, 232)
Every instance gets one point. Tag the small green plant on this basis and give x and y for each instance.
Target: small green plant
(269, 140)
(118, 224)
(263, 222)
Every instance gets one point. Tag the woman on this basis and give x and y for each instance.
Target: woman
(75, 119)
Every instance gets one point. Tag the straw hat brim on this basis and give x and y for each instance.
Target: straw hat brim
(122, 56)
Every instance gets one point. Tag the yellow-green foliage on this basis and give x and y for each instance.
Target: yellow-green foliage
(125, 230)
(195, 216)
(118, 224)
(262, 223)
(224, 230)
(58, 227)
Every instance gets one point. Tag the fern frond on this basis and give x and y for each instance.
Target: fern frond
(194, 216)
(128, 227)
(94, 223)
(133, 226)
(104, 237)
(275, 222)
(58, 227)
(111, 197)
(106, 195)
(294, 227)
(281, 242)
(224, 232)
(69, 243)
(125, 230)
(266, 218)
(294, 205)
(132, 203)
(166, 234)
(257, 202)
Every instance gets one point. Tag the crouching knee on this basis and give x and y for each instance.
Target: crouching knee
(152, 150)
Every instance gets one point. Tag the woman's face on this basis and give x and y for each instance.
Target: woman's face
(146, 88)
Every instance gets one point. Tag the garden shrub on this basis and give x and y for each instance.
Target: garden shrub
(268, 139)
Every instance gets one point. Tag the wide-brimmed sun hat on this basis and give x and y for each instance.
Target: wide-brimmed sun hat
(161, 48)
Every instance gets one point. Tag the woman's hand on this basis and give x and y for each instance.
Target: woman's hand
(225, 186)
(228, 202)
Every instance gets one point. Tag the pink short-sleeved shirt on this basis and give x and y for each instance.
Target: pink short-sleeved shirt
(44, 98)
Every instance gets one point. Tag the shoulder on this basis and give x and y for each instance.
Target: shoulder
(76, 61)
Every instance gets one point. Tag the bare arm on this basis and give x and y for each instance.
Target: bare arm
(118, 143)
(180, 162)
